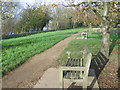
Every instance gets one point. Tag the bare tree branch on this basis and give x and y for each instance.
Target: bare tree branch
(95, 11)
(72, 5)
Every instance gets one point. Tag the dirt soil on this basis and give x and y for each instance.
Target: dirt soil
(28, 74)
(109, 77)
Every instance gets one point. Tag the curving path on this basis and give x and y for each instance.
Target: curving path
(27, 75)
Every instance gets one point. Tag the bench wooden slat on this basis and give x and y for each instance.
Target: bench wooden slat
(66, 62)
(75, 62)
(72, 63)
(73, 75)
(63, 68)
(81, 62)
(77, 68)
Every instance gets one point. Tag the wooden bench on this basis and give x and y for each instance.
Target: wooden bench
(76, 70)
(84, 35)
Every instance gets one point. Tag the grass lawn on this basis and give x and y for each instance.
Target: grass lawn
(93, 43)
(16, 51)
(75, 46)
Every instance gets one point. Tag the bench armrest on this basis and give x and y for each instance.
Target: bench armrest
(72, 68)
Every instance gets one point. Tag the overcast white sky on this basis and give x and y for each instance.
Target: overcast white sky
(35, 1)
(31, 2)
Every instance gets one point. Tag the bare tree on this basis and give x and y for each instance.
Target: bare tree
(8, 12)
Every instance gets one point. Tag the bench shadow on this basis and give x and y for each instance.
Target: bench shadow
(98, 63)
(74, 87)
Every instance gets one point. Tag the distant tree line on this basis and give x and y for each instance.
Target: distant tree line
(8, 16)
(35, 18)
(30, 19)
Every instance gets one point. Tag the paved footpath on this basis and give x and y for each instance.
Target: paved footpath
(50, 79)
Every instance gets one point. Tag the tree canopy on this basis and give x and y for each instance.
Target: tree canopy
(108, 14)
(33, 18)
(8, 15)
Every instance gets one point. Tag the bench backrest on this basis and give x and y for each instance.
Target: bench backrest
(78, 66)
(87, 56)
(87, 64)
(85, 60)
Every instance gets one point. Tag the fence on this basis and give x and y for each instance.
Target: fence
(22, 34)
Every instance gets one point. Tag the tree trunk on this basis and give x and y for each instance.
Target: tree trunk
(105, 42)
(42, 28)
(106, 29)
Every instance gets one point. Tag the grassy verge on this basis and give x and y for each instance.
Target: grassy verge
(75, 46)
(16, 51)
(93, 43)
(104, 70)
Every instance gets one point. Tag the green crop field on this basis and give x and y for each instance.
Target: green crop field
(16, 51)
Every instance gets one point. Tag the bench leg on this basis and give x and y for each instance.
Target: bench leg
(85, 84)
(61, 80)
(84, 87)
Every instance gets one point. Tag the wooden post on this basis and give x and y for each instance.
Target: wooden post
(85, 82)
(68, 53)
(81, 64)
(61, 79)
